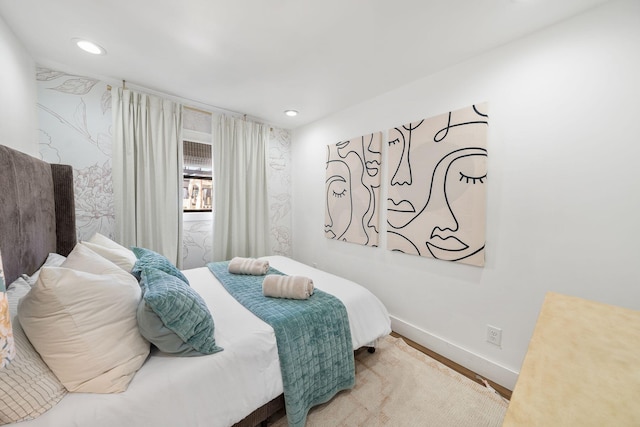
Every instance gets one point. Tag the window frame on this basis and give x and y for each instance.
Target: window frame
(189, 175)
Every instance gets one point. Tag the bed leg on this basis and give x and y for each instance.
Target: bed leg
(371, 350)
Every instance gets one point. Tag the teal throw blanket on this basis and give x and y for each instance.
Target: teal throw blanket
(313, 337)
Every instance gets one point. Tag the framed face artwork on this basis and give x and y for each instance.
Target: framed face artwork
(437, 186)
(352, 190)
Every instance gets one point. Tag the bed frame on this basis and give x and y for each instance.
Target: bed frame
(37, 216)
(37, 212)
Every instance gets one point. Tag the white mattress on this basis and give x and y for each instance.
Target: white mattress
(222, 388)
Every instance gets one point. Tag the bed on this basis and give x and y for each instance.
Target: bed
(241, 385)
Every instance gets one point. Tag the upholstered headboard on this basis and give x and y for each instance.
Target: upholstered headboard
(37, 212)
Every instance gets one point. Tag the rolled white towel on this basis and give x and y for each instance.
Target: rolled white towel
(252, 266)
(292, 287)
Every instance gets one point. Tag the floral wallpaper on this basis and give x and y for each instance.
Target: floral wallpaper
(197, 239)
(74, 114)
(279, 188)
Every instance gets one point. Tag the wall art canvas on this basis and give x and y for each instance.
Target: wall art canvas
(353, 170)
(436, 186)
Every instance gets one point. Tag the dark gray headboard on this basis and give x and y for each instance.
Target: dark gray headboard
(37, 212)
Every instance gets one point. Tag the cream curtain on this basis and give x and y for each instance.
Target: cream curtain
(241, 217)
(147, 172)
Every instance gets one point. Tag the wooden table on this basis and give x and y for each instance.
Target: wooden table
(582, 367)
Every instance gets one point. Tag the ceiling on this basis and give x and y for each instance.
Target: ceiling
(261, 57)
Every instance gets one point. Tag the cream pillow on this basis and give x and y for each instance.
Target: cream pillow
(81, 318)
(119, 255)
(53, 260)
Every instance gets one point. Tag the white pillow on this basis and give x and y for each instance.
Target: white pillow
(119, 255)
(81, 318)
(27, 386)
(53, 260)
(83, 258)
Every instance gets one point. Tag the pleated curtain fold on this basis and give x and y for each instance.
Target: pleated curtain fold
(241, 210)
(147, 172)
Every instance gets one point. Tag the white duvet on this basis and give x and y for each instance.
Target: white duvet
(222, 388)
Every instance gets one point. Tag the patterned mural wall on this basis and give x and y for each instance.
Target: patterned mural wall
(74, 114)
(279, 188)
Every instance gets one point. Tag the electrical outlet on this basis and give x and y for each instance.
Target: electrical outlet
(494, 335)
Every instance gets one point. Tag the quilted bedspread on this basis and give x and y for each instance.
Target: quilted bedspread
(313, 337)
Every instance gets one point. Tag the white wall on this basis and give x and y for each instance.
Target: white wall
(563, 197)
(18, 118)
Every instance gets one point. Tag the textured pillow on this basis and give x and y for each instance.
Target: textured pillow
(28, 388)
(81, 318)
(152, 328)
(181, 310)
(149, 258)
(112, 251)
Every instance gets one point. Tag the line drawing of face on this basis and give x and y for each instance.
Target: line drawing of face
(458, 182)
(339, 203)
(436, 194)
(447, 229)
(362, 157)
(373, 162)
(401, 211)
(372, 156)
(371, 148)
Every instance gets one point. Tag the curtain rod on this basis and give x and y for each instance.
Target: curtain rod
(124, 86)
(244, 115)
(197, 109)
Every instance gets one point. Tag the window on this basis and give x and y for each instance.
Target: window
(197, 188)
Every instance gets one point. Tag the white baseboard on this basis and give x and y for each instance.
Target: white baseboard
(483, 367)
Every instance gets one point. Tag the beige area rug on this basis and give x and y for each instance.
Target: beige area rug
(401, 386)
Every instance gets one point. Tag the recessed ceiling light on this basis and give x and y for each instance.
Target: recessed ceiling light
(291, 113)
(89, 46)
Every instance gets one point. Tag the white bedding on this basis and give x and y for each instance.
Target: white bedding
(222, 388)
